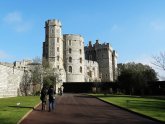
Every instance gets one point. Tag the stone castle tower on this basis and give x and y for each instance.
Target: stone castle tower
(106, 58)
(74, 57)
(53, 45)
(67, 52)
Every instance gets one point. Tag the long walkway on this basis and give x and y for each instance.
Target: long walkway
(82, 109)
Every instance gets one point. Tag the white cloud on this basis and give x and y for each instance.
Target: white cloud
(157, 25)
(13, 18)
(16, 22)
(5, 57)
(115, 28)
(3, 54)
(23, 27)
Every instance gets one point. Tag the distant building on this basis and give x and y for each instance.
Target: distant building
(78, 63)
(22, 64)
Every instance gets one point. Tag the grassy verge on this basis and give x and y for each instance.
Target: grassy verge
(152, 107)
(10, 113)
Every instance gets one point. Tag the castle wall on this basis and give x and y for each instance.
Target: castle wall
(74, 57)
(10, 79)
(103, 54)
(91, 71)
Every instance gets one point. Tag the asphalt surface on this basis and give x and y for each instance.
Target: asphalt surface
(82, 109)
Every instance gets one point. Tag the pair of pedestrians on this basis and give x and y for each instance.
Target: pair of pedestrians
(51, 93)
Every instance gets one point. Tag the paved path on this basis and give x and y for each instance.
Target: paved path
(82, 109)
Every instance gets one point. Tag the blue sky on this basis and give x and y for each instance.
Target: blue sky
(134, 28)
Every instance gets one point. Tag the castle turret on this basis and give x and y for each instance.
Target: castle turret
(74, 57)
(53, 45)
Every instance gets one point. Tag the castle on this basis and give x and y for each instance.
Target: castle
(67, 54)
(76, 62)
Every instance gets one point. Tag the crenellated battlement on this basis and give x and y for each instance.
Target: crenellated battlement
(73, 36)
(53, 22)
(97, 45)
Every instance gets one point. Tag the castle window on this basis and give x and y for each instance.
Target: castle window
(80, 42)
(58, 40)
(57, 49)
(94, 71)
(58, 66)
(80, 69)
(51, 29)
(58, 58)
(70, 42)
(80, 60)
(70, 68)
(70, 50)
(80, 51)
(90, 57)
(90, 73)
(70, 59)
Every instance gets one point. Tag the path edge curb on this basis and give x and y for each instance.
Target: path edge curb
(28, 113)
(145, 116)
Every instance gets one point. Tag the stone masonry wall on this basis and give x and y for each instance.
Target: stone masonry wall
(10, 79)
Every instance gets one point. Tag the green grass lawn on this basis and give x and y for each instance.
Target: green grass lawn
(152, 107)
(10, 113)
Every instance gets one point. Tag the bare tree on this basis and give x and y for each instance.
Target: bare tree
(36, 71)
(25, 83)
(45, 64)
(159, 61)
(37, 60)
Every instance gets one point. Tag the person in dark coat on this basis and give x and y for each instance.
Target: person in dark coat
(43, 97)
(51, 93)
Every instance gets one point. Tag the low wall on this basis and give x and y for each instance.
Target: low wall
(89, 87)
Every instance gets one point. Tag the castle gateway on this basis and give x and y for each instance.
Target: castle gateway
(76, 62)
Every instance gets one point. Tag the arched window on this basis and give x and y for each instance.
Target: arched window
(80, 51)
(57, 49)
(58, 39)
(80, 60)
(70, 42)
(70, 59)
(70, 50)
(58, 58)
(80, 69)
(70, 68)
(51, 29)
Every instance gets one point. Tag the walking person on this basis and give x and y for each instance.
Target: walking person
(61, 90)
(43, 97)
(51, 94)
